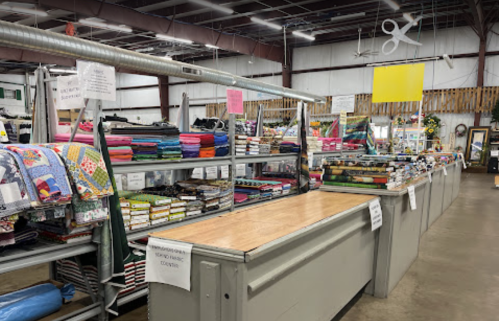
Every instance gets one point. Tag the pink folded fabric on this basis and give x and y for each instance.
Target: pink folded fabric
(112, 140)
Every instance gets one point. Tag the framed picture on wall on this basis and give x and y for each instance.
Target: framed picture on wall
(477, 145)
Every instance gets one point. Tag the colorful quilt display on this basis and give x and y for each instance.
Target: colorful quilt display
(13, 194)
(87, 169)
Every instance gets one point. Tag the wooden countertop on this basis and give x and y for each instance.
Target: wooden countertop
(250, 228)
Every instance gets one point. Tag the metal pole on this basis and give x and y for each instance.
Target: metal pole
(28, 93)
(78, 120)
(232, 144)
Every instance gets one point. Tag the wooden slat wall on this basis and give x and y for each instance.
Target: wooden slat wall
(453, 100)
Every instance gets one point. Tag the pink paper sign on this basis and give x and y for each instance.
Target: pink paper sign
(235, 101)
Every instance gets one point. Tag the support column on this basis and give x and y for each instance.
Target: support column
(164, 97)
(480, 73)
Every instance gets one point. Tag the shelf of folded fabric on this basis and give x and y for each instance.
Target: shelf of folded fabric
(144, 232)
(157, 165)
(266, 158)
(258, 201)
(134, 295)
(41, 252)
(339, 152)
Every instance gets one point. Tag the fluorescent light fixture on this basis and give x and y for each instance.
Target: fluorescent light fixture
(448, 61)
(165, 37)
(212, 47)
(401, 62)
(348, 16)
(145, 49)
(395, 6)
(62, 71)
(103, 25)
(408, 17)
(23, 10)
(266, 23)
(303, 35)
(213, 6)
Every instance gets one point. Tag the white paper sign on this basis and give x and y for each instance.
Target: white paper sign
(169, 262)
(429, 176)
(412, 197)
(346, 103)
(376, 214)
(211, 172)
(136, 181)
(68, 93)
(493, 153)
(198, 173)
(445, 171)
(343, 117)
(98, 81)
(310, 160)
(240, 170)
(224, 172)
(119, 181)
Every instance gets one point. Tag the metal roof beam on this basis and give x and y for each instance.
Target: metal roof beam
(128, 16)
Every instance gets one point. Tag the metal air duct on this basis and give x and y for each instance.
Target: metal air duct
(23, 37)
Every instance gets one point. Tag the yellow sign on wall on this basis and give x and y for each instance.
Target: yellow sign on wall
(398, 83)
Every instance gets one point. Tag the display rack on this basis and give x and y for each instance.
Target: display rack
(190, 163)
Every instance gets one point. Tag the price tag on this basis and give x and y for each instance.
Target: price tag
(429, 176)
(310, 160)
(376, 215)
(224, 172)
(119, 181)
(211, 172)
(240, 170)
(198, 173)
(412, 197)
(445, 171)
(343, 117)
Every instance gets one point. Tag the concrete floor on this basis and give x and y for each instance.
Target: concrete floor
(455, 277)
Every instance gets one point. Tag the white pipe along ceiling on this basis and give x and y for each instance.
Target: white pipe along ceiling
(28, 38)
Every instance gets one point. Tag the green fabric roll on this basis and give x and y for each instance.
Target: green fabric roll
(371, 186)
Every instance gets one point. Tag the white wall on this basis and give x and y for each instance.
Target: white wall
(13, 82)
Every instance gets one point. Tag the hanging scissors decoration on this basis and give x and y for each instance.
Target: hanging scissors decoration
(398, 34)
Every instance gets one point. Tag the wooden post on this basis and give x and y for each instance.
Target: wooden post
(481, 68)
(164, 97)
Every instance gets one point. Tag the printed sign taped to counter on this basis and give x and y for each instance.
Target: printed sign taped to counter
(97, 81)
(169, 262)
(445, 171)
(412, 197)
(376, 215)
(346, 103)
(429, 176)
(68, 93)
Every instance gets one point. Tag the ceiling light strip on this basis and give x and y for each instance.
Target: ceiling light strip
(266, 23)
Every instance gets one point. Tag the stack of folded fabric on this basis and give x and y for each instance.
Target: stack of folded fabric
(207, 145)
(210, 195)
(120, 154)
(221, 144)
(240, 198)
(111, 140)
(125, 211)
(194, 207)
(130, 272)
(68, 271)
(240, 145)
(140, 268)
(289, 147)
(139, 214)
(160, 205)
(177, 210)
(190, 146)
(275, 146)
(169, 148)
(353, 173)
(330, 144)
(251, 194)
(144, 151)
(252, 145)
